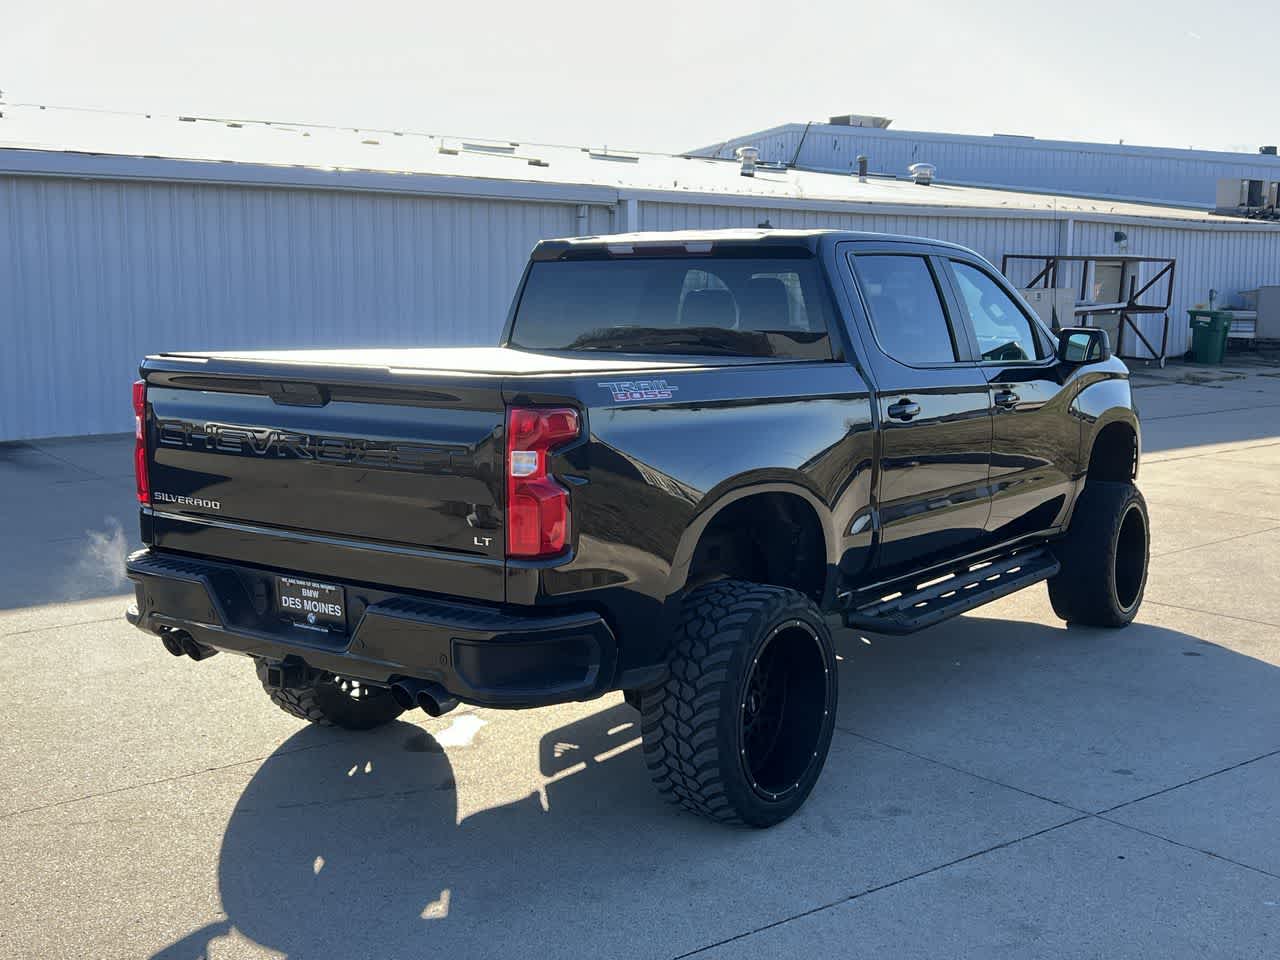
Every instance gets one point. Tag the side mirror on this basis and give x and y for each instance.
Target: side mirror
(1083, 345)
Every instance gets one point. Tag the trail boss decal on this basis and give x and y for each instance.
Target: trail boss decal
(625, 391)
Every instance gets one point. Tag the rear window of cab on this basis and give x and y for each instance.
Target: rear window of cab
(768, 307)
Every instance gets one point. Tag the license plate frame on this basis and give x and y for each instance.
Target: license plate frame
(311, 603)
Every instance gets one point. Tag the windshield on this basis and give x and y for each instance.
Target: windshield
(754, 307)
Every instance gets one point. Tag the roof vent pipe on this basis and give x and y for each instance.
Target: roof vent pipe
(748, 156)
(922, 173)
(862, 168)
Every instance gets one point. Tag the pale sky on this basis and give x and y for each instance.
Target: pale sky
(665, 75)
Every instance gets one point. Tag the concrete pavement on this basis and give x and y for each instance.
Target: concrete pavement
(998, 786)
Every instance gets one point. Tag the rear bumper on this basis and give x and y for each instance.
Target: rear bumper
(480, 653)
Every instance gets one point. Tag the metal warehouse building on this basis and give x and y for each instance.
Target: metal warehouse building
(122, 235)
(1119, 171)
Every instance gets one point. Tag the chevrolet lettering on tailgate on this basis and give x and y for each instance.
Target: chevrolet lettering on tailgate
(270, 442)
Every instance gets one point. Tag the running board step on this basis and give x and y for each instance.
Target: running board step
(962, 591)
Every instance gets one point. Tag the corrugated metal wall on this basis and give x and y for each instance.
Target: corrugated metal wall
(1226, 261)
(95, 274)
(1111, 170)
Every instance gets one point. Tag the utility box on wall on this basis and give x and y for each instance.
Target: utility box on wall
(1268, 323)
(1054, 305)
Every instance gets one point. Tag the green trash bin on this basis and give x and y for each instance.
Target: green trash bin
(1209, 329)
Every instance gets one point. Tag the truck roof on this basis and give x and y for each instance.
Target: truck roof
(554, 249)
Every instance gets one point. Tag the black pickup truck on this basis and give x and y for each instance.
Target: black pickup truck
(690, 451)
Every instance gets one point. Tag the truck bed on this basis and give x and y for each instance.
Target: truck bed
(380, 465)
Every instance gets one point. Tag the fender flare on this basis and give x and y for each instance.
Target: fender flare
(1108, 418)
(738, 489)
(1100, 403)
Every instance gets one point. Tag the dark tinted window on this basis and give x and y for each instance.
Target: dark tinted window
(1003, 331)
(906, 309)
(757, 307)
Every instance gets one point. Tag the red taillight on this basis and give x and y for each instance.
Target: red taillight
(537, 506)
(140, 441)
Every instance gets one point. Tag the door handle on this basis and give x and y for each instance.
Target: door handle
(1007, 399)
(904, 409)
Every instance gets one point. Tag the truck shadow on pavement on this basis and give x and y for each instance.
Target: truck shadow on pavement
(346, 845)
(356, 849)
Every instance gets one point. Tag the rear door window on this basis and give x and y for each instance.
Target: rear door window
(906, 309)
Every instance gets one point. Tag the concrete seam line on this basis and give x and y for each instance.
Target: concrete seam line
(1214, 543)
(883, 886)
(968, 773)
(1210, 613)
(1209, 413)
(92, 478)
(1087, 816)
(1101, 814)
(48, 453)
(177, 776)
(62, 626)
(1189, 846)
(1160, 486)
(1147, 458)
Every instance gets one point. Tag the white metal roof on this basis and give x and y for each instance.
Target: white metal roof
(63, 141)
(1118, 171)
(1008, 139)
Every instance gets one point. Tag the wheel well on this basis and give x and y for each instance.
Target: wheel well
(1115, 454)
(765, 538)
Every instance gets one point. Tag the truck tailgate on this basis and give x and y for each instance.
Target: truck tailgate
(399, 485)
